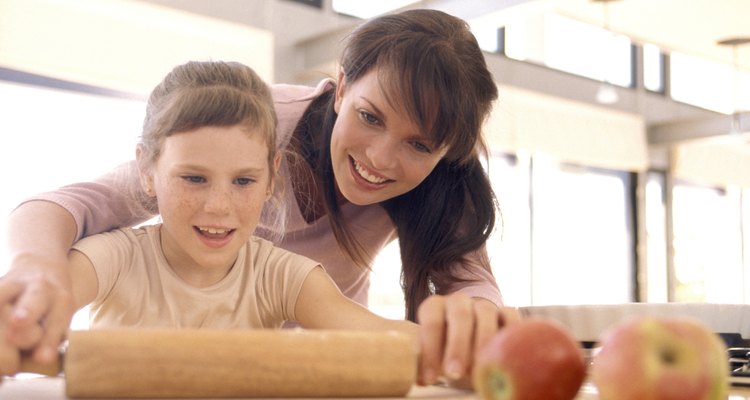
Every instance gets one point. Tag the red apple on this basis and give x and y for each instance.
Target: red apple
(658, 358)
(534, 359)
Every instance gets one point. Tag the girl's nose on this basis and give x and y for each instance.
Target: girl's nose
(217, 201)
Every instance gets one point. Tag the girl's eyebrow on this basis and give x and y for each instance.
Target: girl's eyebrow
(246, 170)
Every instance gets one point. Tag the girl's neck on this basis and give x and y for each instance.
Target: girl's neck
(186, 269)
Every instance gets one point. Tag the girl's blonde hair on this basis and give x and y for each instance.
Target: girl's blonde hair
(212, 93)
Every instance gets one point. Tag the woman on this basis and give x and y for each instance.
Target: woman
(389, 150)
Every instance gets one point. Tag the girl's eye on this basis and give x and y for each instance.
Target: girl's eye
(244, 181)
(194, 178)
(369, 118)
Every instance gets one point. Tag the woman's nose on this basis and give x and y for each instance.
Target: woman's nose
(382, 152)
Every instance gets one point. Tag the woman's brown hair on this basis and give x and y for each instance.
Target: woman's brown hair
(430, 65)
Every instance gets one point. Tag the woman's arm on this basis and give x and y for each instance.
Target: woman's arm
(40, 233)
(38, 284)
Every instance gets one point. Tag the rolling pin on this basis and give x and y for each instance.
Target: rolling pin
(156, 363)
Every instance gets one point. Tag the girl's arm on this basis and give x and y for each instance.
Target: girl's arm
(452, 328)
(321, 305)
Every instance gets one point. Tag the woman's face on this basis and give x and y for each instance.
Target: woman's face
(210, 184)
(377, 152)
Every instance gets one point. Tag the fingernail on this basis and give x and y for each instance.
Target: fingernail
(454, 370)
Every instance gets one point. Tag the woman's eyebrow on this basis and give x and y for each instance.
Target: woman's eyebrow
(375, 108)
(418, 135)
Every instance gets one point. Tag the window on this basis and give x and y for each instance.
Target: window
(367, 9)
(656, 239)
(56, 137)
(653, 68)
(582, 235)
(713, 91)
(509, 247)
(707, 244)
(568, 45)
(566, 235)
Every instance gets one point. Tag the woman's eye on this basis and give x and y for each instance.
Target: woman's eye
(369, 118)
(421, 147)
(244, 181)
(194, 178)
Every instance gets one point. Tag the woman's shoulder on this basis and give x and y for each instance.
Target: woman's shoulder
(290, 102)
(294, 94)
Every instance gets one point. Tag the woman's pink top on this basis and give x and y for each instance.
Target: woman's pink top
(115, 200)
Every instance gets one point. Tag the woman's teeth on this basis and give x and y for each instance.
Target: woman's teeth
(366, 175)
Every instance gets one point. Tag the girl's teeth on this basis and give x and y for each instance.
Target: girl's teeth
(366, 175)
(214, 231)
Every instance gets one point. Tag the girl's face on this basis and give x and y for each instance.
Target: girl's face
(377, 152)
(210, 184)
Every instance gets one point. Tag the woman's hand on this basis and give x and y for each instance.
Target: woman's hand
(38, 303)
(452, 329)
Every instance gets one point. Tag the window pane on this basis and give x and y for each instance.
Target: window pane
(367, 9)
(707, 245)
(53, 137)
(509, 247)
(701, 82)
(656, 239)
(582, 235)
(653, 68)
(587, 50)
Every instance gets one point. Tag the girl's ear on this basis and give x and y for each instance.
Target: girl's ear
(144, 172)
(340, 86)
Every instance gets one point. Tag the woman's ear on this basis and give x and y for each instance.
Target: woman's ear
(144, 172)
(340, 86)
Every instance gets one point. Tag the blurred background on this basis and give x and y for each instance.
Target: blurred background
(619, 141)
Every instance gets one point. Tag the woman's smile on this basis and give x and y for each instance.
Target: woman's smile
(370, 177)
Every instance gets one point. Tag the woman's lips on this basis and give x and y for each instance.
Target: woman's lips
(366, 177)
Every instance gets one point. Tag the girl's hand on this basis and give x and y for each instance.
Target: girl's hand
(10, 356)
(39, 307)
(452, 329)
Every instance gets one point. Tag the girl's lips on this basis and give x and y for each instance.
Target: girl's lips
(214, 237)
(366, 177)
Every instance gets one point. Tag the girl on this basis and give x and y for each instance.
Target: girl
(207, 159)
(390, 149)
